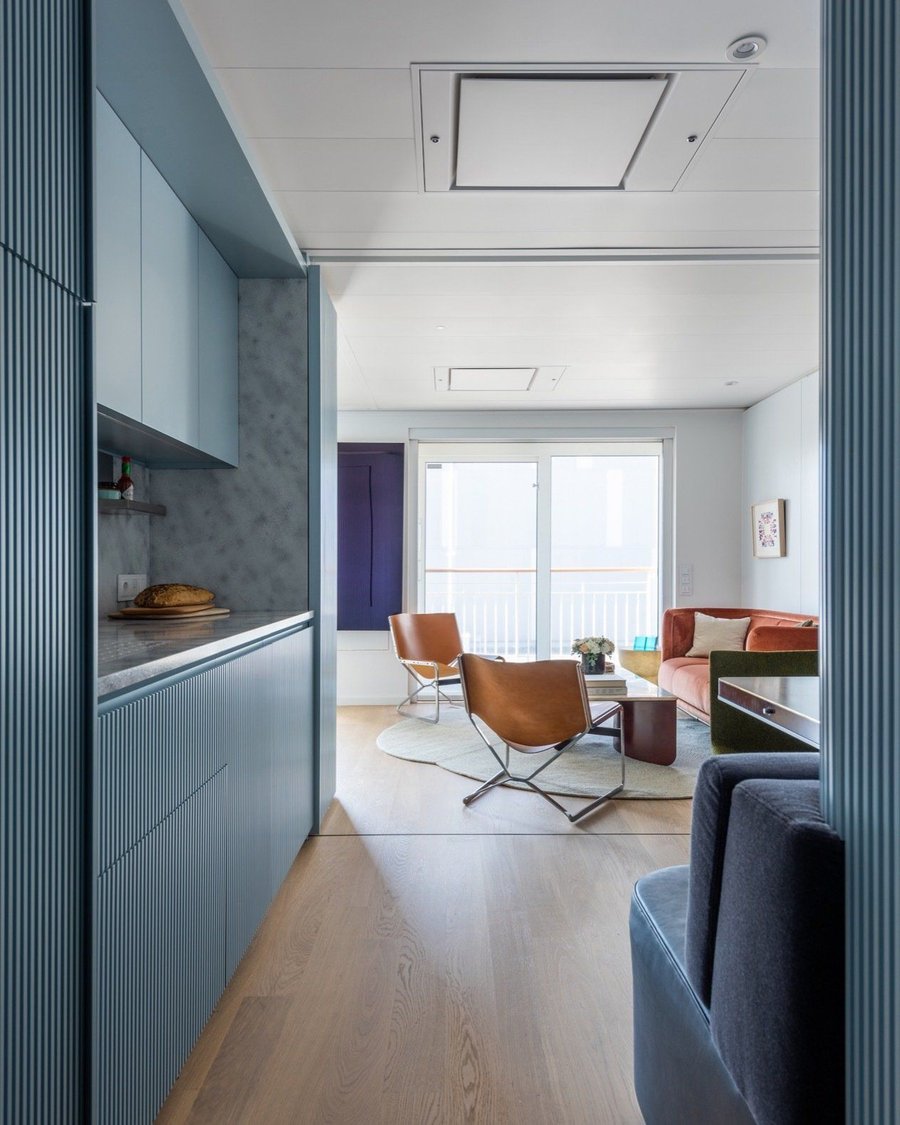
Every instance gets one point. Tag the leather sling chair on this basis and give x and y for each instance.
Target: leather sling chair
(535, 708)
(427, 645)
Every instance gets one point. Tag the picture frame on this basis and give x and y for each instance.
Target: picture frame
(768, 530)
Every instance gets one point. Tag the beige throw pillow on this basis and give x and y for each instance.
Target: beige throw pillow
(718, 633)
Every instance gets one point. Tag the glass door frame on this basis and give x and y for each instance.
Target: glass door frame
(540, 452)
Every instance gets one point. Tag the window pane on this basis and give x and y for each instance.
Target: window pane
(480, 552)
(604, 549)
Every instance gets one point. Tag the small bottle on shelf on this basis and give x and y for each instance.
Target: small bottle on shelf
(125, 484)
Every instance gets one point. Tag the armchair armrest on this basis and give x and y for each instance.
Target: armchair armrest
(781, 638)
(732, 731)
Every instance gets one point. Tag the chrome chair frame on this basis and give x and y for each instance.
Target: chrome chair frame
(435, 682)
(505, 775)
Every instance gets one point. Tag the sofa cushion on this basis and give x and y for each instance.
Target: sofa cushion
(725, 633)
(709, 829)
(782, 638)
(777, 1006)
(687, 678)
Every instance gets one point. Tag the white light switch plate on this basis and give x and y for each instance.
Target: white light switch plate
(686, 580)
(129, 586)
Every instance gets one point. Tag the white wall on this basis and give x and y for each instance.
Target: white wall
(781, 461)
(707, 502)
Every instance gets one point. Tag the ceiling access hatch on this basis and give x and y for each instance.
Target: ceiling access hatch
(557, 128)
(475, 379)
(551, 132)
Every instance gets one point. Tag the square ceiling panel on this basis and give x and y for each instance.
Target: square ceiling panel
(551, 132)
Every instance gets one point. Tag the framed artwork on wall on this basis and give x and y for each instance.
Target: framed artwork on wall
(370, 534)
(767, 519)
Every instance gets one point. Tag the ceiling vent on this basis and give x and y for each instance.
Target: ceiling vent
(472, 380)
(482, 128)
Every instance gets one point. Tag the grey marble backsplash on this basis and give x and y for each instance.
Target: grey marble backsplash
(243, 532)
(123, 541)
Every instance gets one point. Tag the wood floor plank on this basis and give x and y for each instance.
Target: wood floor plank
(431, 975)
(232, 1083)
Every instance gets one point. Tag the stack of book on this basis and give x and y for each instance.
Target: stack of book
(604, 684)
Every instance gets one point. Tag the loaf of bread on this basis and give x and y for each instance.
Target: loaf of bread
(172, 594)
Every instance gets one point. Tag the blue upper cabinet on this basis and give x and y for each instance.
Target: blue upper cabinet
(118, 265)
(166, 354)
(218, 355)
(169, 303)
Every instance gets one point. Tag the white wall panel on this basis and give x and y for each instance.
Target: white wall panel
(781, 462)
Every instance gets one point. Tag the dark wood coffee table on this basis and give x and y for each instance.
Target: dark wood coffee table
(648, 721)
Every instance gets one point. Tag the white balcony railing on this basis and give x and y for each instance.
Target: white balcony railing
(496, 608)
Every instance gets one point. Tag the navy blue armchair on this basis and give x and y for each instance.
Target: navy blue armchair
(738, 960)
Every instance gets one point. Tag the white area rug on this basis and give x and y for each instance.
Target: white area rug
(589, 768)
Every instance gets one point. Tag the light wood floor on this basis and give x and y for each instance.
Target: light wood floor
(427, 964)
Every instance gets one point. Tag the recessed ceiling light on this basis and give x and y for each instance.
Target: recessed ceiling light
(746, 49)
(440, 327)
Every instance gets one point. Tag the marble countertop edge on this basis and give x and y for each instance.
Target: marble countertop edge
(134, 654)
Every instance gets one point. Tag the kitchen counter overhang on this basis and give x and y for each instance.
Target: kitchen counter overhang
(137, 654)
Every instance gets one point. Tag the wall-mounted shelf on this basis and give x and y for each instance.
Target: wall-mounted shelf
(120, 507)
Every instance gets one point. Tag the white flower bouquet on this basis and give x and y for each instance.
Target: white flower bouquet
(593, 646)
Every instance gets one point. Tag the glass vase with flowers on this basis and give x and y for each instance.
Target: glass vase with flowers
(593, 652)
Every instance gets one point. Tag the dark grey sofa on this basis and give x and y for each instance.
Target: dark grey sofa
(738, 960)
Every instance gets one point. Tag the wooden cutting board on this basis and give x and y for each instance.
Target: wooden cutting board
(173, 613)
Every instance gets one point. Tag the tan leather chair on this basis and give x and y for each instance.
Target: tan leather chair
(427, 645)
(533, 708)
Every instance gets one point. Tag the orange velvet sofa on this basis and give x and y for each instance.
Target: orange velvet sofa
(687, 677)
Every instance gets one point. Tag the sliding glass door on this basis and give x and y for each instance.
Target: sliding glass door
(479, 557)
(532, 545)
(604, 548)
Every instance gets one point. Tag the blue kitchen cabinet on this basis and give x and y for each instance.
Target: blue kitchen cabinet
(218, 355)
(270, 779)
(159, 955)
(169, 304)
(118, 265)
(203, 795)
(291, 763)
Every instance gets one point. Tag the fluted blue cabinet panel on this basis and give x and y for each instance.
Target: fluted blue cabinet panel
(291, 772)
(169, 294)
(152, 754)
(218, 355)
(270, 778)
(861, 524)
(160, 955)
(117, 341)
(43, 136)
(46, 649)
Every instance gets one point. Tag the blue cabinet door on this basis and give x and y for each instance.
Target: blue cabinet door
(169, 274)
(159, 956)
(218, 355)
(118, 265)
(291, 711)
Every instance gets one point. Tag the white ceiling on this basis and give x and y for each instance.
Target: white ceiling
(324, 94)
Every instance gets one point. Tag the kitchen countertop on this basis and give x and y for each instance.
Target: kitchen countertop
(132, 653)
